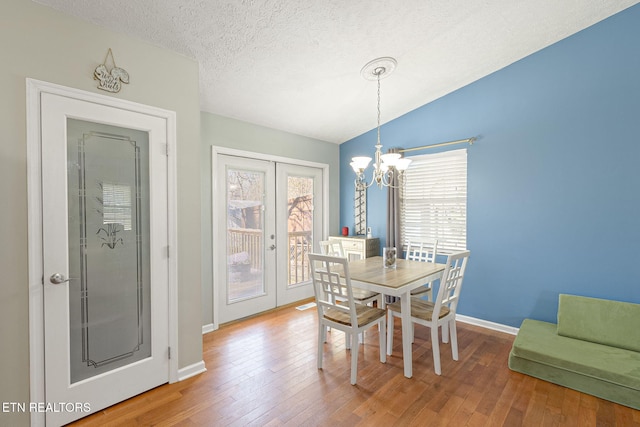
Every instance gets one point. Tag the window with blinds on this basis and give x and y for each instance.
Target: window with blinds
(116, 204)
(434, 200)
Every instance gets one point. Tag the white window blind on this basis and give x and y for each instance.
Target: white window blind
(116, 204)
(434, 200)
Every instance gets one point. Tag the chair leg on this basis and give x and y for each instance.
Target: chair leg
(435, 345)
(347, 340)
(321, 331)
(381, 304)
(454, 339)
(445, 332)
(389, 332)
(382, 335)
(354, 358)
(355, 340)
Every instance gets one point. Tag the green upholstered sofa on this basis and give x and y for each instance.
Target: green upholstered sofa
(594, 348)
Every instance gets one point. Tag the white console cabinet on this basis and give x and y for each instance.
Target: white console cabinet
(358, 247)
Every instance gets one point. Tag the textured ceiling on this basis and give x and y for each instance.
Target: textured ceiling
(294, 65)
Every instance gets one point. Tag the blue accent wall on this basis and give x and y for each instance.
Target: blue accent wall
(553, 180)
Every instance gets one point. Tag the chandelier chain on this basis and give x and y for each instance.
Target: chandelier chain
(379, 73)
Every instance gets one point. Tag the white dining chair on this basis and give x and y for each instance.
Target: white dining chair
(332, 248)
(338, 309)
(441, 313)
(361, 296)
(425, 252)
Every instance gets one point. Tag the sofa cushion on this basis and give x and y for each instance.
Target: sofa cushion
(594, 386)
(539, 342)
(607, 322)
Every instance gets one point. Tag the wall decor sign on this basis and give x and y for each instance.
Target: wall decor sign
(110, 80)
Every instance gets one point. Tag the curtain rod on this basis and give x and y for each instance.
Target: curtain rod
(442, 144)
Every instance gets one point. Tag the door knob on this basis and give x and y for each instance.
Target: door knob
(272, 247)
(57, 278)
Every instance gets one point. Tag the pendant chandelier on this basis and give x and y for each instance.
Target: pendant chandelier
(385, 165)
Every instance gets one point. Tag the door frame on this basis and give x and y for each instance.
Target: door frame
(34, 89)
(217, 260)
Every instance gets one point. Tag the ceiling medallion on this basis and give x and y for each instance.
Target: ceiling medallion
(384, 65)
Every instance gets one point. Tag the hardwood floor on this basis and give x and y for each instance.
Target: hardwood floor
(262, 372)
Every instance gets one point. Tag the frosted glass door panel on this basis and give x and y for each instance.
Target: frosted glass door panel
(109, 268)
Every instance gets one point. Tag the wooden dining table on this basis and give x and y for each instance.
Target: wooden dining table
(370, 274)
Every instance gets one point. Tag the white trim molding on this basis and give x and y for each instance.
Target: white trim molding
(487, 325)
(191, 370)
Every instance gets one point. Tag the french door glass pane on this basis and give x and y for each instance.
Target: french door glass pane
(245, 234)
(300, 227)
(108, 227)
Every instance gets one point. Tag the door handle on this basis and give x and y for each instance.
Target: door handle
(57, 279)
(272, 247)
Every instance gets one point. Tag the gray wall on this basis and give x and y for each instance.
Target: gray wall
(225, 132)
(40, 43)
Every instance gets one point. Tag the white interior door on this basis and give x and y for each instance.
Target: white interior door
(299, 214)
(246, 274)
(105, 261)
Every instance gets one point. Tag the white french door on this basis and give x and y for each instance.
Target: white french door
(247, 237)
(269, 216)
(299, 214)
(104, 254)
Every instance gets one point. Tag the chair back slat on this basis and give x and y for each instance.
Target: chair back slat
(420, 251)
(332, 248)
(331, 287)
(451, 283)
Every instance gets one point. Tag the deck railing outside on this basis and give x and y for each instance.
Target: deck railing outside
(300, 244)
(249, 241)
(246, 241)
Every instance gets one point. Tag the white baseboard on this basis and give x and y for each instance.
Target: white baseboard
(208, 328)
(464, 319)
(191, 370)
(488, 325)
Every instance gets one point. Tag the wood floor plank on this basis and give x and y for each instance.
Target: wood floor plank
(262, 372)
(466, 412)
(571, 408)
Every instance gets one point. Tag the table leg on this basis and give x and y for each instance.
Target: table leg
(405, 303)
